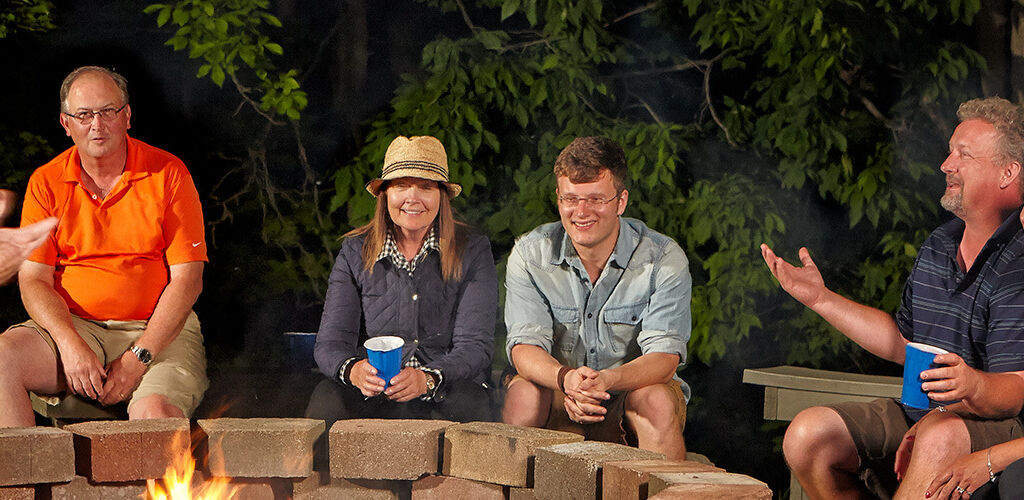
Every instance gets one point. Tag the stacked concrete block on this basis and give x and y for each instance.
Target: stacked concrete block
(628, 479)
(271, 459)
(17, 492)
(81, 489)
(385, 449)
(322, 487)
(497, 453)
(455, 488)
(120, 450)
(706, 486)
(243, 488)
(35, 455)
(521, 494)
(572, 471)
(260, 447)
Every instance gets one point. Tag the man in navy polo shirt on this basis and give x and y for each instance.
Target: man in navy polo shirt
(965, 294)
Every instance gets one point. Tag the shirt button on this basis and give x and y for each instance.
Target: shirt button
(94, 197)
(415, 297)
(590, 315)
(634, 318)
(416, 341)
(592, 351)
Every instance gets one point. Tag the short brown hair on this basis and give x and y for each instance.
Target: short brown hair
(65, 87)
(1006, 117)
(585, 157)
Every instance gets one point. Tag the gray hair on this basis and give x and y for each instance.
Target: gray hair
(65, 87)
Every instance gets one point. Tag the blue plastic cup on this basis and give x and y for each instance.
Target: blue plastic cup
(919, 358)
(385, 354)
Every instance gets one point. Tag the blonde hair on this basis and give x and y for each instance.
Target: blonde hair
(451, 235)
(1006, 117)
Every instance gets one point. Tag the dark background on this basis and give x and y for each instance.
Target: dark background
(351, 57)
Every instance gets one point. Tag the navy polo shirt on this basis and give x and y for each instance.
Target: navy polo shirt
(978, 314)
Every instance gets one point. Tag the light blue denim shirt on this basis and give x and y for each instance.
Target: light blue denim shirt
(640, 304)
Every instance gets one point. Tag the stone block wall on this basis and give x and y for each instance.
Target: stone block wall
(271, 459)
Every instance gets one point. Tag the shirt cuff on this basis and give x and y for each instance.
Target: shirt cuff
(429, 395)
(344, 370)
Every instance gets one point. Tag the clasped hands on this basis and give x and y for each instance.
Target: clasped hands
(410, 383)
(109, 385)
(585, 391)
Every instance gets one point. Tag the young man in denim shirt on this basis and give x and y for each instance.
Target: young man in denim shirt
(598, 313)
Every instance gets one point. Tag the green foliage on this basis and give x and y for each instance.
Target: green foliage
(822, 106)
(25, 15)
(817, 96)
(230, 39)
(20, 153)
(227, 36)
(807, 90)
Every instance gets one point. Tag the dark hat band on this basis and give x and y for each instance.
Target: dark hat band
(415, 164)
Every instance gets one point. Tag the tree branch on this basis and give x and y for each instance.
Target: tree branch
(465, 16)
(711, 107)
(244, 92)
(638, 10)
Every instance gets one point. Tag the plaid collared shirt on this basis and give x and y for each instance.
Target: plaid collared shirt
(390, 250)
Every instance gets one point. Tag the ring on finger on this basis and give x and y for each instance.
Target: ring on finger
(960, 490)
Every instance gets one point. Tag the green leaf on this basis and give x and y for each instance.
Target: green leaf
(217, 75)
(508, 7)
(162, 18)
(489, 39)
(275, 48)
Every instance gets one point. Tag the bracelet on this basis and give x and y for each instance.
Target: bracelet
(942, 409)
(991, 475)
(561, 377)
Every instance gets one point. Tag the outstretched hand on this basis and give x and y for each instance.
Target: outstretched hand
(17, 244)
(804, 283)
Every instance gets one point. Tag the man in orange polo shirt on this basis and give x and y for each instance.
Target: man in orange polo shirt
(110, 293)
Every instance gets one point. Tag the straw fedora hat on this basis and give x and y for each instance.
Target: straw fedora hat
(422, 157)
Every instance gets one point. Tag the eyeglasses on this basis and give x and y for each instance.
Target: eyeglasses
(105, 114)
(593, 201)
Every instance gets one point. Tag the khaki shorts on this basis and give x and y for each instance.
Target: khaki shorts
(178, 372)
(614, 428)
(878, 427)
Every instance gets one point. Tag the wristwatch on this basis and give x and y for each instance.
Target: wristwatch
(145, 357)
(431, 383)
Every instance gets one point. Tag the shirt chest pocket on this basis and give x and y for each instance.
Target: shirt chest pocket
(623, 325)
(566, 329)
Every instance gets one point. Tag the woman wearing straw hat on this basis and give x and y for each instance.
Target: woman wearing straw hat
(415, 273)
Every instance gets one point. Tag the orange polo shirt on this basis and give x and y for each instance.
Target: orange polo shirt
(111, 255)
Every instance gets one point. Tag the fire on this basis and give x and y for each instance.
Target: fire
(180, 481)
(178, 484)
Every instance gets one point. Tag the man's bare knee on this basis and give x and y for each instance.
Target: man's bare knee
(656, 405)
(28, 362)
(818, 437)
(154, 406)
(940, 435)
(526, 403)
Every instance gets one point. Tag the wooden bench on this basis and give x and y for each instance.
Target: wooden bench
(789, 389)
(74, 408)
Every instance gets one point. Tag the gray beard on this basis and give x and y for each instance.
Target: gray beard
(954, 203)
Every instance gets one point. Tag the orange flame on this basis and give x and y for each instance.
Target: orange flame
(178, 484)
(180, 481)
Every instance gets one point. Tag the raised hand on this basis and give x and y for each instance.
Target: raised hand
(803, 283)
